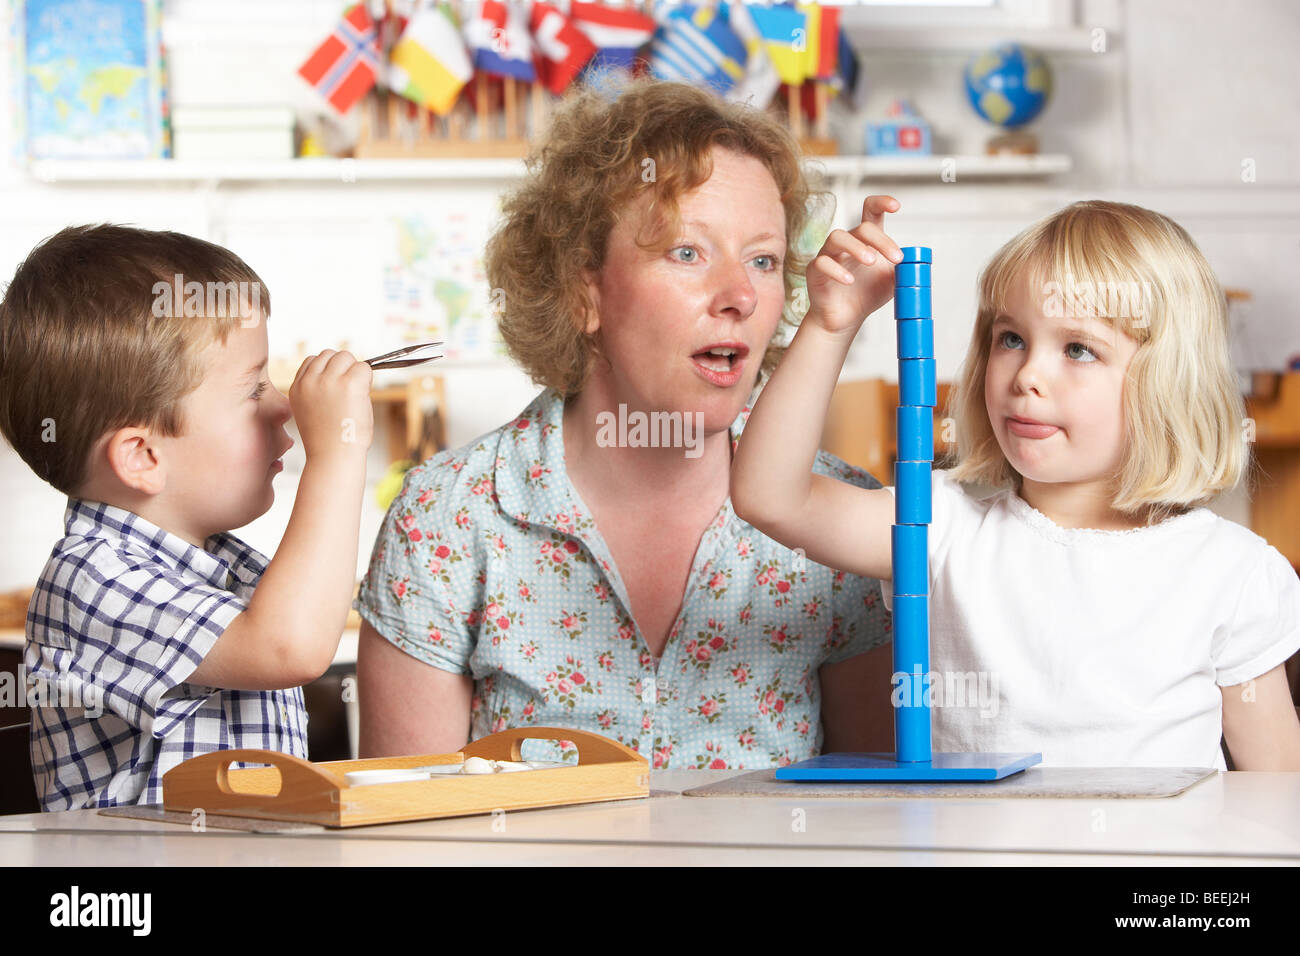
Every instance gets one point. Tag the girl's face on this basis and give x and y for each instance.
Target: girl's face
(665, 320)
(1054, 391)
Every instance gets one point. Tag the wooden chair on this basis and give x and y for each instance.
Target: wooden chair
(17, 788)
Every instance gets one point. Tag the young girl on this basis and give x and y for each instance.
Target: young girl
(1110, 617)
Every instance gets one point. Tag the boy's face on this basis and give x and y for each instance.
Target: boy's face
(1066, 373)
(219, 469)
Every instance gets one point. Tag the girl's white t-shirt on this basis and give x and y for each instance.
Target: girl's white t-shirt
(1096, 648)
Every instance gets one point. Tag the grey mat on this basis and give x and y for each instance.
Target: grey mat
(1034, 782)
(210, 821)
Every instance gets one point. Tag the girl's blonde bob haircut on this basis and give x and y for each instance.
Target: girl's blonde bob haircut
(598, 158)
(1142, 274)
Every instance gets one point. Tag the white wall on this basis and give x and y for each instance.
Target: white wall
(1184, 92)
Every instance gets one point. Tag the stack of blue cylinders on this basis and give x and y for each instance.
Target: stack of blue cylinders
(917, 398)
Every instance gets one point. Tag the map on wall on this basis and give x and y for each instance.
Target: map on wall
(91, 81)
(434, 287)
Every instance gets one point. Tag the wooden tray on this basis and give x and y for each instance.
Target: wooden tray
(298, 790)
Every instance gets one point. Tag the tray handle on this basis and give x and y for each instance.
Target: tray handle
(201, 775)
(592, 748)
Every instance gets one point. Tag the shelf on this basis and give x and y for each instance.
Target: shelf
(858, 169)
(854, 169)
(972, 40)
(347, 171)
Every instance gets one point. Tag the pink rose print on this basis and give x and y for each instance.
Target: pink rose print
(718, 764)
(743, 547)
(407, 522)
(503, 623)
(442, 551)
(425, 495)
(559, 551)
(711, 707)
(717, 583)
(779, 639)
(399, 588)
(528, 709)
(646, 721)
(435, 566)
(567, 682)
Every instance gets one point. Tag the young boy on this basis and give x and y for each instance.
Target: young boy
(133, 379)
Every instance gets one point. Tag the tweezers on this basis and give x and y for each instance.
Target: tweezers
(404, 358)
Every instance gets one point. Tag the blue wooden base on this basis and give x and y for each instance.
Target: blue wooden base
(849, 766)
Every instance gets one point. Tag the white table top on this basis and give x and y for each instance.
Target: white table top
(1229, 819)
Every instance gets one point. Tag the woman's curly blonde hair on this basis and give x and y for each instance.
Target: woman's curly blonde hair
(596, 160)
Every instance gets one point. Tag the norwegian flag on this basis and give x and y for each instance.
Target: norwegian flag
(343, 68)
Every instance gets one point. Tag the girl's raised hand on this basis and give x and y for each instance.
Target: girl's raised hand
(853, 274)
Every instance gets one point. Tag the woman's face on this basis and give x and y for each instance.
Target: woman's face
(664, 320)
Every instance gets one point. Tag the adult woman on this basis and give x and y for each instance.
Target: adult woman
(544, 570)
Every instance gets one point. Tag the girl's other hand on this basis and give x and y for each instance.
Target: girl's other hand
(853, 274)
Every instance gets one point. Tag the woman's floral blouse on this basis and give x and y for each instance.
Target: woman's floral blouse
(489, 564)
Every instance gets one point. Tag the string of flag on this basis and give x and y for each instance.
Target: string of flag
(741, 51)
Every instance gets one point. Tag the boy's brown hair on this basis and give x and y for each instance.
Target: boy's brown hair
(102, 328)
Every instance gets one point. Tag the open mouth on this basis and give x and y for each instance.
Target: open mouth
(718, 359)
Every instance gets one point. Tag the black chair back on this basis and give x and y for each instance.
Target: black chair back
(17, 788)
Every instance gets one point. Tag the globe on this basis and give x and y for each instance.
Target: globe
(1008, 85)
